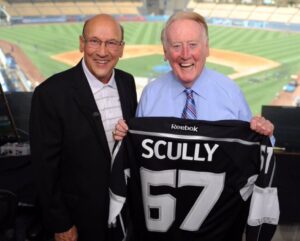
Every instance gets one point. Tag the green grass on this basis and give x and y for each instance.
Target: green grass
(40, 42)
(144, 66)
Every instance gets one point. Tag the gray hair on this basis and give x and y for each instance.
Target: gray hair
(184, 15)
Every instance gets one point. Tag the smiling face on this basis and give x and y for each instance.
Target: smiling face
(100, 59)
(186, 49)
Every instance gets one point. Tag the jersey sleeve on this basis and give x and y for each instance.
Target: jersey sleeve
(264, 208)
(117, 219)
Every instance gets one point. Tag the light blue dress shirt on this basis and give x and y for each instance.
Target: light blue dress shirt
(216, 97)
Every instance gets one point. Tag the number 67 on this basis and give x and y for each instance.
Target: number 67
(213, 184)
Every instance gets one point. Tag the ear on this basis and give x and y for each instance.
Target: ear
(207, 48)
(121, 50)
(81, 44)
(165, 58)
(165, 54)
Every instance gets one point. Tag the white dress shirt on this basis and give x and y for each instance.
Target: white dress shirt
(108, 102)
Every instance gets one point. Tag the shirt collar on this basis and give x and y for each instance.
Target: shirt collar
(96, 84)
(177, 87)
(198, 86)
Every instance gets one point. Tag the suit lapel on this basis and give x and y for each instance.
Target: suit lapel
(84, 98)
(122, 94)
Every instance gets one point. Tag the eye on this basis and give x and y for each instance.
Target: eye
(193, 45)
(176, 46)
(112, 43)
(94, 41)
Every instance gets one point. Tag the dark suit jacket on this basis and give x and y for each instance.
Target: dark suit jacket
(70, 153)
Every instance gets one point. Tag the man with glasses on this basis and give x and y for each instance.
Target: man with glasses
(72, 117)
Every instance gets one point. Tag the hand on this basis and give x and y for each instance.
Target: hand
(70, 235)
(120, 131)
(262, 126)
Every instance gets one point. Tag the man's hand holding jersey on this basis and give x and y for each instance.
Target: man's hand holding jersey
(258, 124)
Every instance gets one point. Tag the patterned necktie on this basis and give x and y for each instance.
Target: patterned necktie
(189, 111)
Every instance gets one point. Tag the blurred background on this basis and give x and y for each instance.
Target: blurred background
(254, 42)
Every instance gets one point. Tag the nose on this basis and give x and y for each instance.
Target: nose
(185, 52)
(102, 50)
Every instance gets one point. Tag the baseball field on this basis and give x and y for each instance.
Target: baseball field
(260, 61)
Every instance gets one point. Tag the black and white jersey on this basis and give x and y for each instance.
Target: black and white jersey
(196, 180)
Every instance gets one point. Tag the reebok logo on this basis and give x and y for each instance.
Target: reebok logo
(184, 128)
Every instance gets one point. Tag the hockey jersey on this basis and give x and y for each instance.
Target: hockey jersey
(195, 180)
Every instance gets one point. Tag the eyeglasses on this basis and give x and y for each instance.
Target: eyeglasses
(109, 44)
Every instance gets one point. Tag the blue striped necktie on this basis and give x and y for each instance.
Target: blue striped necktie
(189, 111)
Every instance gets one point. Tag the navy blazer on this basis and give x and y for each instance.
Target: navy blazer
(70, 153)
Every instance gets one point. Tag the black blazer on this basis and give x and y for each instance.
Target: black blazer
(70, 153)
